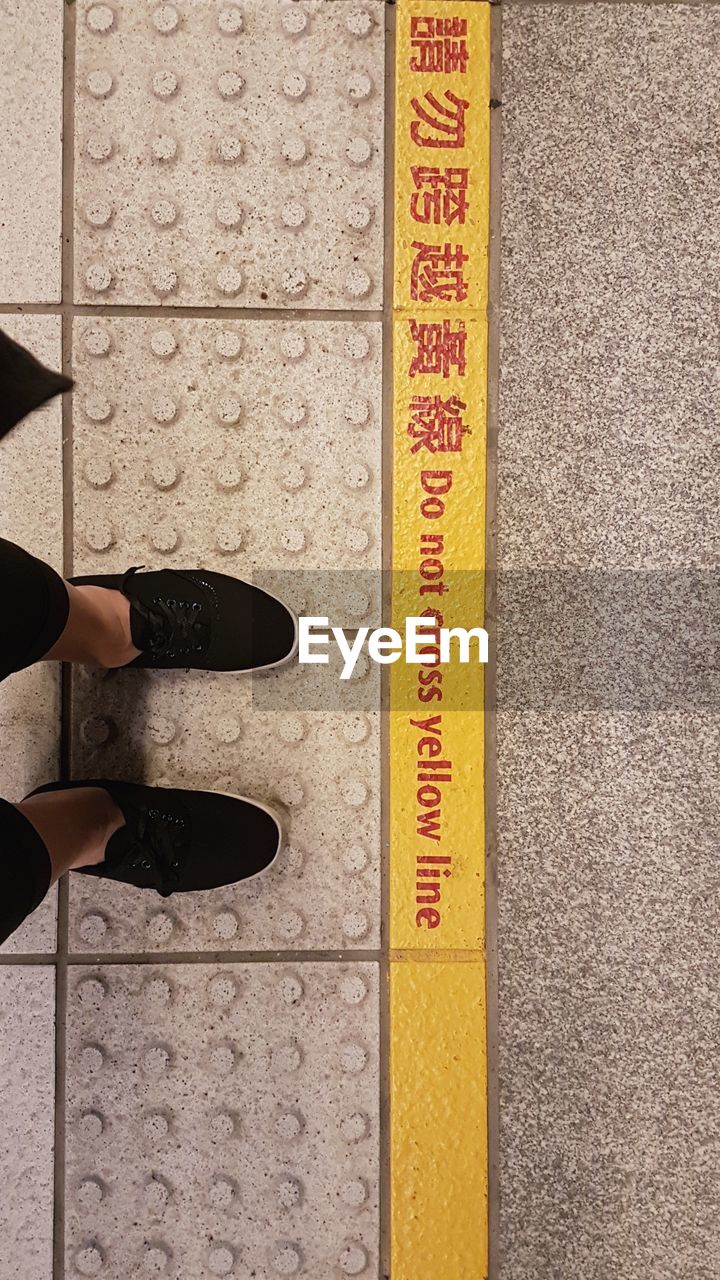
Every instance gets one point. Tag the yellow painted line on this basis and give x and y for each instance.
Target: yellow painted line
(438, 1047)
(439, 1131)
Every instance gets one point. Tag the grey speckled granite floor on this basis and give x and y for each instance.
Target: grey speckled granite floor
(608, 819)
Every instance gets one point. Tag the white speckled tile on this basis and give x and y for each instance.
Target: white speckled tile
(27, 1093)
(31, 42)
(321, 769)
(230, 154)
(223, 1121)
(241, 446)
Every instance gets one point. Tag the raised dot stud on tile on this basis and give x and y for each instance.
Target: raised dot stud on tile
(160, 730)
(292, 540)
(229, 281)
(355, 1127)
(99, 535)
(359, 23)
(228, 729)
(354, 1193)
(357, 283)
(228, 344)
(98, 278)
(287, 1259)
(223, 1059)
(91, 993)
(156, 1260)
(164, 409)
(294, 149)
(358, 151)
(230, 20)
(293, 412)
(354, 858)
(89, 1260)
(163, 344)
(294, 21)
(229, 215)
(290, 924)
(159, 927)
(95, 731)
(359, 86)
(222, 1194)
(156, 1126)
(357, 345)
(291, 989)
(223, 1125)
(163, 281)
(294, 282)
(164, 536)
(295, 86)
(289, 1192)
(222, 990)
(90, 1126)
(156, 1194)
(99, 83)
(229, 149)
(289, 1126)
(357, 412)
(226, 925)
(221, 1259)
(92, 928)
(353, 1260)
(98, 214)
(352, 989)
(157, 993)
(98, 471)
(287, 1058)
(164, 147)
(230, 84)
(97, 408)
(291, 730)
(166, 19)
(100, 19)
(358, 215)
(357, 540)
(293, 477)
(164, 213)
(293, 215)
(228, 411)
(156, 1060)
(356, 475)
(353, 1059)
(164, 473)
(96, 342)
(90, 1194)
(229, 475)
(165, 83)
(91, 1059)
(355, 925)
(293, 344)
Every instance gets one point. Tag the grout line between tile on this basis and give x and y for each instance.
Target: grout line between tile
(221, 957)
(491, 671)
(183, 313)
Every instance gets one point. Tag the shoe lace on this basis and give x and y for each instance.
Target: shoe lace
(180, 625)
(159, 840)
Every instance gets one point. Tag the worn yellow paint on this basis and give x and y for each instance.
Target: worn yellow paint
(439, 1130)
(438, 1047)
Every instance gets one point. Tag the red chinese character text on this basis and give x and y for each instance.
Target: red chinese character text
(446, 120)
(436, 274)
(436, 424)
(440, 195)
(438, 348)
(438, 44)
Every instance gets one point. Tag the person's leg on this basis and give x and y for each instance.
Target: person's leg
(74, 825)
(97, 631)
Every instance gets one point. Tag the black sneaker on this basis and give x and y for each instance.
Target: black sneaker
(197, 618)
(25, 384)
(178, 841)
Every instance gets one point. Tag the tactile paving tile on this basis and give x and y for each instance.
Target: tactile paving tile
(321, 770)
(230, 154)
(31, 514)
(27, 1084)
(31, 41)
(237, 445)
(223, 1121)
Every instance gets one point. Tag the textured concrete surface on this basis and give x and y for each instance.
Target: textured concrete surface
(27, 1073)
(607, 820)
(230, 155)
(30, 150)
(223, 1121)
(238, 445)
(321, 770)
(31, 514)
